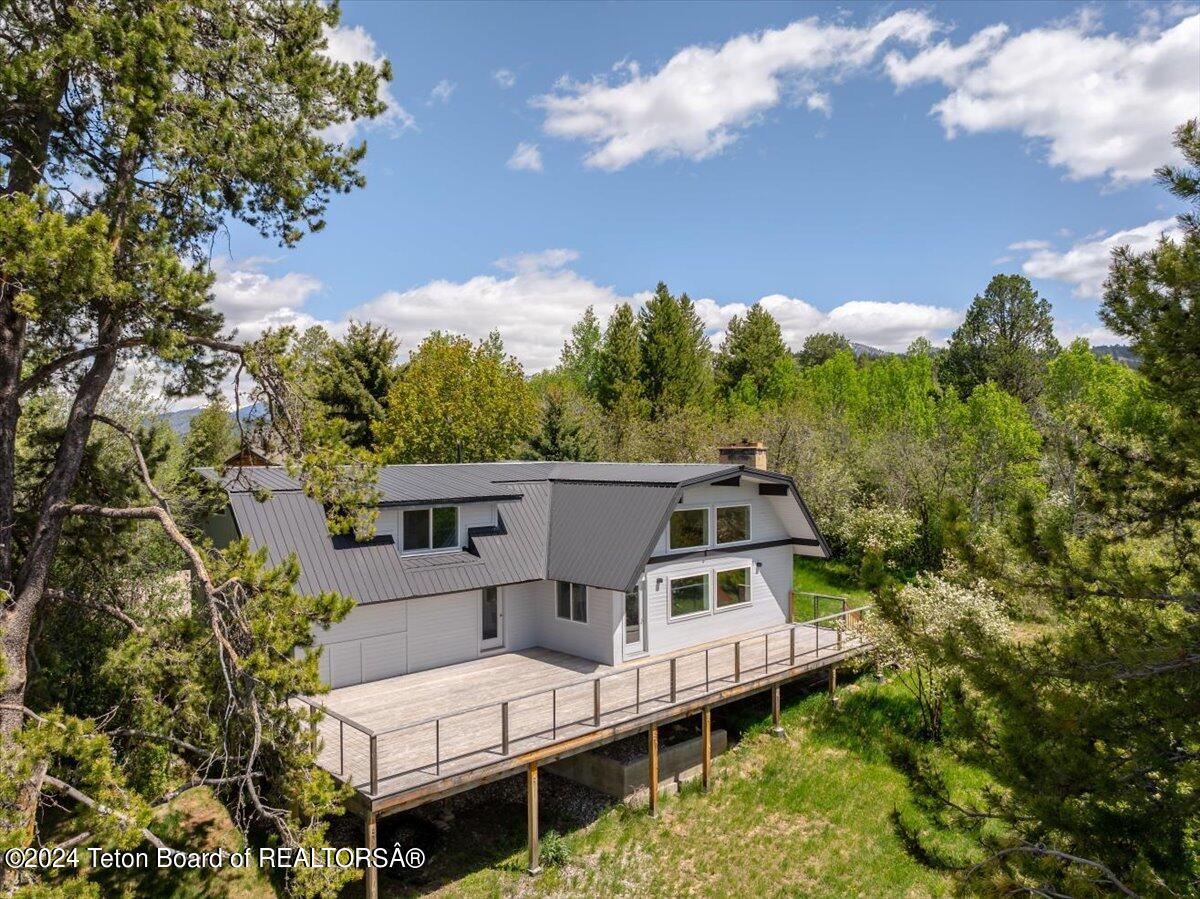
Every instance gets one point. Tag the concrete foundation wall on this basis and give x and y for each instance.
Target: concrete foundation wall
(621, 780)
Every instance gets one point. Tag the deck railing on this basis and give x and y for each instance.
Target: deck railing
(838, 623)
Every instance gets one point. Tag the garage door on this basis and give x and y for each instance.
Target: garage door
(369, 644)
(359, 661)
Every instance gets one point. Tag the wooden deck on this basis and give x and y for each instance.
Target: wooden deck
(446, 722)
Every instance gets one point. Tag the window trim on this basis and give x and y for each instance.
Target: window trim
(571, 602)
(708, 527)
(749, 507)
(748, 567)
(707, 574)
(431, 549)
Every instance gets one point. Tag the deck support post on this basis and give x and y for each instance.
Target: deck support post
(653, 770)
(776, 727)
(371, 876)
(504, 728)
(531, 804)
(833, 681)
(706, 747)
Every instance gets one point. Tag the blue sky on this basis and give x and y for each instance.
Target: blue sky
(865, 169)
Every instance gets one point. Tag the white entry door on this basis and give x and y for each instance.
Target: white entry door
(491, 619)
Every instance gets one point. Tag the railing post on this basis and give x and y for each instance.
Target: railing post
(706, 686)
(737, 662)
(374, 764)
(504, 728)
(767, 653)
(341, 748)
(637, 696)
(554, 713)
(814, 598)
(791, 609)
(673, 681)
(437, 746)
(596, 702)
(841, 624)
(792, 647)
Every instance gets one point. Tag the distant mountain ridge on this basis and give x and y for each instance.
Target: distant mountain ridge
(181, 419)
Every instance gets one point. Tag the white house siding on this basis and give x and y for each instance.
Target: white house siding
(442, 630)
(593, 640)
(768, 598)
(764, 519)
(369, 643)
(523, 603)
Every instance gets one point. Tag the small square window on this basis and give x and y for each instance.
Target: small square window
(689, 595)
(689, 528)
(416, 529)
(571, 602)
(733, 524)
(733, 587)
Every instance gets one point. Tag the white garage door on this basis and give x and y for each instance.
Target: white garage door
(369, 644)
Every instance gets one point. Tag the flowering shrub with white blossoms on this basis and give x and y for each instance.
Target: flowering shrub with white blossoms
(909, 627)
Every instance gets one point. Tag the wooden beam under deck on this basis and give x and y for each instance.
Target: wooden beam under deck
(452, 784)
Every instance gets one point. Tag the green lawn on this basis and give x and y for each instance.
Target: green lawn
(808, 814)
(822, 577)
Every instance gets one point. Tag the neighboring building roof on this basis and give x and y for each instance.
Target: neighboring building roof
(589, 522)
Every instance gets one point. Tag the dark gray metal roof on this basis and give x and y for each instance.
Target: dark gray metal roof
(591, 523)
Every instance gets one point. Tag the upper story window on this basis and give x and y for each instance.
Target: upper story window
(430, 528)
(733, 524)
(688, 528)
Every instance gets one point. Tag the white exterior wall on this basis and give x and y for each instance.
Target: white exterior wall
(595, 639)
(769, 586)
(764, 520)
(369, 643)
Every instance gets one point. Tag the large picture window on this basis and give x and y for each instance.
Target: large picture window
(571, 604)
(425, 529)
(733, 587)
(689, 528)
(733, 524)
(689, 595)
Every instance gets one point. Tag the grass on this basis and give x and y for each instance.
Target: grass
(809, 814)
(819, 576)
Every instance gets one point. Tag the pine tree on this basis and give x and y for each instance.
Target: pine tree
(1091, 731)
(1006, 337)
(619, 366)
(752, 352)
(676, 359)
(211, 436)
(355, 374)
(562, 437)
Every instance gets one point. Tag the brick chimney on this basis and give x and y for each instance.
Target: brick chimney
(749, 453)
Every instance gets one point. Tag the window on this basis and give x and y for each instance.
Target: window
(435, 528)
(572, 602)
(689, 595)
(733, 524)
(689, 527)
(733, 587)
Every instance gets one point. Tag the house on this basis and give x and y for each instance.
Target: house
(513, 614)
(604, 561)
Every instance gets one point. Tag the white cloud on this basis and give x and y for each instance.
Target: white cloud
(818, 101)
(1103, 105)
(506, 78)
(525, 158)
(701, 100)
(543, 260)
(886, 325)
(350, 45)
(533, 309)
(441, 92)
(1029, 245)
(1085, 265)
(253, 301)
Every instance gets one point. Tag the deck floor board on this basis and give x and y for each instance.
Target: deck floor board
(419, 753)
